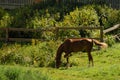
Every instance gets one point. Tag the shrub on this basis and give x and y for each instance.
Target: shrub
(81, 16)
(111, 14)
(110, 40)
(21, 16)
(63, 34)
(6, 20)
(40, 55)
(2, 12)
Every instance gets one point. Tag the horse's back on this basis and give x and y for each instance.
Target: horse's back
(78, 44)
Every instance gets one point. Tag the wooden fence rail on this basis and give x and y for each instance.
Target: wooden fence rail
(8, 38)
(11, 4)
(56, 30)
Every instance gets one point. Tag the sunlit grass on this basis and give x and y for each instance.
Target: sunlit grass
(106, 67)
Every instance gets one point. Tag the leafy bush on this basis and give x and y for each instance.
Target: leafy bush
(44, 21)
(48, 17)
(21, 16)
(6, 20)
(81, 16)
(40, 55)
(64, 34)
(113, 15)
(2, 12)
(110, 40)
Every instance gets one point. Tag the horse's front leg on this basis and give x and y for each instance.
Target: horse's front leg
(67, 59)
(67, 55)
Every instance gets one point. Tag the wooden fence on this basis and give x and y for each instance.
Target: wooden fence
(111, 3)
(56, 30)
(8, 38)
(11, 4)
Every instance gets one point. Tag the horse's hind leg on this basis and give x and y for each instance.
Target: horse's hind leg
(90, 58)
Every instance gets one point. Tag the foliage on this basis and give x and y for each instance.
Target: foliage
(5, 20)
(44, 21)
(81, 16)
(111, 14)
(53, 16)
(39, 55)
(2, 12)
(21, 16)
(110, 40)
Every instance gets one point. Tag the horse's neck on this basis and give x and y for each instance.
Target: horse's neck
(59, 51)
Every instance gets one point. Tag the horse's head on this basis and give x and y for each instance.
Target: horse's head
(58, 62)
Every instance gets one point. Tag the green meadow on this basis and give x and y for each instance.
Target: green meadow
(106, 67)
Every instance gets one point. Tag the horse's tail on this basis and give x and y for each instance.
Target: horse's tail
(101, 44)
(58, 55)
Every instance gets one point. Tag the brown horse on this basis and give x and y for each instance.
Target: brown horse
(75, 45)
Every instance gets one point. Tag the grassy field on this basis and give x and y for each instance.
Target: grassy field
(106, 67)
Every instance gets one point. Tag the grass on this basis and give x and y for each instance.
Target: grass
(106, 67)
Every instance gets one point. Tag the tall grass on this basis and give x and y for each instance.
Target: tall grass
(21, 73)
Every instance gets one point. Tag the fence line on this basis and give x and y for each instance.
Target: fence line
(7, 30)
(56, 30)
(11, 4)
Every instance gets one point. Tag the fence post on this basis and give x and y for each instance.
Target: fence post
(7, 34)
